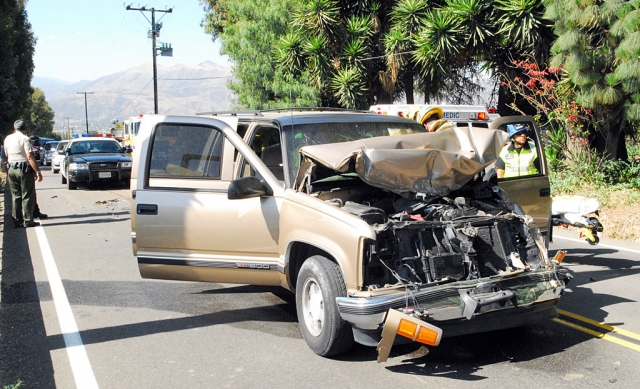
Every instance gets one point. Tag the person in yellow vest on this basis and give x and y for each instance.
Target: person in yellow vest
(432, 119)
(519, 157)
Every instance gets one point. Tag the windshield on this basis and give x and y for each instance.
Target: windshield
(306, 134)
(86, 147)
(61, 145)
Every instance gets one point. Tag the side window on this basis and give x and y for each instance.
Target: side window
(521, 155)
(186, 151)
(265, 142)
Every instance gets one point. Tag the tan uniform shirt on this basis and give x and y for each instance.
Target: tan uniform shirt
(17, 146)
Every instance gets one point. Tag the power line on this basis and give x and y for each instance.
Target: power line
(193, 79)
(132, 100)
(385, 56)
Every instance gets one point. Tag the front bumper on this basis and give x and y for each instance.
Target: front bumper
(99, 175)
(459, 304)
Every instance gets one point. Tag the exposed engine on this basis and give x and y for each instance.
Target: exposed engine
(473, 233)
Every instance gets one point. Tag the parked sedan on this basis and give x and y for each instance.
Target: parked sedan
(58, 156)
(89, 160)
(47, 151)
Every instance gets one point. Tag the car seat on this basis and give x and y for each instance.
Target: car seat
(272, 157)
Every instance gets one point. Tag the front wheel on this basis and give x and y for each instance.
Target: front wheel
(63, 179)
(70, 184)
(319, 282)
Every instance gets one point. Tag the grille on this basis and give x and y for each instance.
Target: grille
(96, 168)
(490, 249)
(103, 166)
(442, 262)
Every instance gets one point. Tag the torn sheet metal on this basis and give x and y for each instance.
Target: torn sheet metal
(432, 163)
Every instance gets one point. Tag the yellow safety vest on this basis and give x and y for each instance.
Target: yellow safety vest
(519, 163)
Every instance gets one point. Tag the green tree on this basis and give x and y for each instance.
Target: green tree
(407, 18)
(323, 48)
(16, 59)
(39, 115)
(248, 30)
(357, 53)
(598, 47)
(462, 38)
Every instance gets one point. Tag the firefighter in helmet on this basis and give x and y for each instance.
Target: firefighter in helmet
(432, 119)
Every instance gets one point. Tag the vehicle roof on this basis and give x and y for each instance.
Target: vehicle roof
(315, 115)
(93, 138)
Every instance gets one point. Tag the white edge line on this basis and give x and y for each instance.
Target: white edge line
(599, 244)
(80, 365)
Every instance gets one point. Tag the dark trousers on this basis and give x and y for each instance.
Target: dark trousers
(23, 194)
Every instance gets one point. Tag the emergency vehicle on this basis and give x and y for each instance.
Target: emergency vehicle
(476, 115)
(130, 131)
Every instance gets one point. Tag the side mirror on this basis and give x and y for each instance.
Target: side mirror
(247, 187)
(128, 150)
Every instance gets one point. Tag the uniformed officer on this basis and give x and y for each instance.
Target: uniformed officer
(519, 157)
(22, 174)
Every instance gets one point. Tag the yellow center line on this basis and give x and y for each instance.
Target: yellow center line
(600, 335)
(607, 327)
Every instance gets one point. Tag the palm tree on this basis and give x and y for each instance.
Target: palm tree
(598, 49)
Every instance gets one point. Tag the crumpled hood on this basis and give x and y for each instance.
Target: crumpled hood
(432, 163)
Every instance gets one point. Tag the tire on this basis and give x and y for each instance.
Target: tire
(54, 170)
(70, 184)
(595, 242)
(63, 179)
(319, 282)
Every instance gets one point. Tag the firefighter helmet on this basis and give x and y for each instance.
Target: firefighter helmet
(427, 113)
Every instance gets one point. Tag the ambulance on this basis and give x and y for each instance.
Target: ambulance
(473, 115)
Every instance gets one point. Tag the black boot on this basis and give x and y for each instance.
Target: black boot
(17, 223)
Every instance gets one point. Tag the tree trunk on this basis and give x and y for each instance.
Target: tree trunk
(407, 80)
(610, 143)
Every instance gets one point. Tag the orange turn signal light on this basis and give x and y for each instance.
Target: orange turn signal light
(418, 333)
(560, 256)
(482, 116)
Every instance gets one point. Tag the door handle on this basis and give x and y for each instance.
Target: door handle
(147, 209)
(545, 192)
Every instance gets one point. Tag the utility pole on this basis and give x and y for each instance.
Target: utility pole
(86, 114)
(165, 50)
(68, 129)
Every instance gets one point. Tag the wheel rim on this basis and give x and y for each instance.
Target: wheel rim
(313, 307)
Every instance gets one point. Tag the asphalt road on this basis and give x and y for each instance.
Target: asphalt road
(134, 333)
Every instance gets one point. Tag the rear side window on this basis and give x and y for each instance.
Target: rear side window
(184, 151)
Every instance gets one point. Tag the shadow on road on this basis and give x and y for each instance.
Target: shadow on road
(24, 345)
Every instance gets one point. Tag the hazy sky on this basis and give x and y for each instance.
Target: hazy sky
(87, 39)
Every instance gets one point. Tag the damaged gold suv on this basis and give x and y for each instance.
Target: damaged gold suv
(379, 228)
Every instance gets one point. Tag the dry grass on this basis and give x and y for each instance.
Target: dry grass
(620, 217)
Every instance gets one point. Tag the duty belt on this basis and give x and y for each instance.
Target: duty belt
(17, 165)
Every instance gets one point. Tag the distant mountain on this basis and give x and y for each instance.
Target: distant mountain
(182, 89)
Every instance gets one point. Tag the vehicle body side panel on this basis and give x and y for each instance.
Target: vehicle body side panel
(193, 233)
(310, 220)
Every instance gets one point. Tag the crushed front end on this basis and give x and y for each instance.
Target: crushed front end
(453, 254)
(466, 264)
